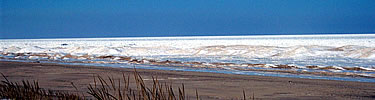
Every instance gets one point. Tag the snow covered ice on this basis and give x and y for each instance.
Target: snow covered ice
(349, 50)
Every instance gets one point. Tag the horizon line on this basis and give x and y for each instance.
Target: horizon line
(257, 34)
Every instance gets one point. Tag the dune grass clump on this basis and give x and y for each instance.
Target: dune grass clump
(27, 90)
(120, 89)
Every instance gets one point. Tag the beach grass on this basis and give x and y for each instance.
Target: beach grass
(30, 90)
(111, 90)
(102, 89)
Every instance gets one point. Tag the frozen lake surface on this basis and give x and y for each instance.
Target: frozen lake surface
(338, 52)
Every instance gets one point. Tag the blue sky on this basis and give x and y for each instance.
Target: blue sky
(124, 18)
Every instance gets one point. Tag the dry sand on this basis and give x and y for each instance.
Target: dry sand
(209, 85)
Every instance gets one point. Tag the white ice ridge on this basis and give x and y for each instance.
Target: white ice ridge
(248, 51)
(275, 46)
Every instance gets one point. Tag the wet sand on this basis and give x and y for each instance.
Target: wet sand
(209, 85)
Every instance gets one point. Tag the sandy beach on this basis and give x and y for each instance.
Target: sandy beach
(209, 85)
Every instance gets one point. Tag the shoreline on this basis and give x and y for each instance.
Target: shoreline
(272, 70)
(209, 85)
